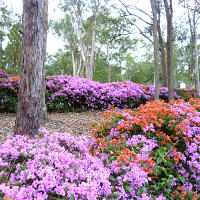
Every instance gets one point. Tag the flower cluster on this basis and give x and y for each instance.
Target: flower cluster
(65, 93)
(169, 147)
(52, 165)
(9, 86)
(152, 152)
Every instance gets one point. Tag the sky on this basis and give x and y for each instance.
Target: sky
(53, 42)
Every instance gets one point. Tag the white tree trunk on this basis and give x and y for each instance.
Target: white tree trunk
(74, 64)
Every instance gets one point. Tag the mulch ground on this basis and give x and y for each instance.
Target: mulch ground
(74, 123)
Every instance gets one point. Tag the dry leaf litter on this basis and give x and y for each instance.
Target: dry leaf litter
(73, 123)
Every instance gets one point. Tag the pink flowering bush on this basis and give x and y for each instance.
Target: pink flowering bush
(149, 153)
(65, 93)
(52, 165)
(59, 166)
(8, 92)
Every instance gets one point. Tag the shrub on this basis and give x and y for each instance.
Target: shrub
(65, 93)
(173, 135)
(9, 86)
(152, 152)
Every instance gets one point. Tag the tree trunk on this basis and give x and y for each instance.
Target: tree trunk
(196, 52)
(74, 64)
(191, 68)
(95, 13)
(169, 15)
(109, 73)
(162, 53)
(43, 112)
(196, 67)
(1, 53)
(29, 100)
(155, 44)
(194, 64)
(80, 68)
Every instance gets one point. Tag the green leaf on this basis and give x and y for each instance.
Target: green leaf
(159, 160)
(112, 178)
(164, 170)
(182, 178)
(72, 197)
(127, 186)
(171, 176)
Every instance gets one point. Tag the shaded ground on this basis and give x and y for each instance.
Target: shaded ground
(74, 123)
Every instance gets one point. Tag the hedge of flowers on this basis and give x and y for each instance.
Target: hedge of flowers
(152, 152)
(9, 86)
(163, 138)
(65, 93)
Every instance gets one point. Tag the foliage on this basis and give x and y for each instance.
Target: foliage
(59, 63)
(65, 93)
(10, 40)
(163, 138)
(9, 86)
(148, 153)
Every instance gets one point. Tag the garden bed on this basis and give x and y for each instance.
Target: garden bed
(151, 153)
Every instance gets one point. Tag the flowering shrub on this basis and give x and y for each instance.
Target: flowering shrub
(9, 85)
(65, 93)
(149, 153)
(54, 166)
(163, 139)
(186, 93)
(58, 166)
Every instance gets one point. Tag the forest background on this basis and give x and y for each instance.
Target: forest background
(108, 41)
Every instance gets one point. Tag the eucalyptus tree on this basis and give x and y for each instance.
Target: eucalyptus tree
(193, 15)
(30, 92)
(144, 22)
(5, 22)
(155, 44)
(114, 35)
(64, 29)
(13, 50)
(169, 17)
(43, 108)
(87, 31)
(81, 16)
(161, 41)
(10, 35)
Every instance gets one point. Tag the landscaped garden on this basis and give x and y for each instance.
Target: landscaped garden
(143, 149)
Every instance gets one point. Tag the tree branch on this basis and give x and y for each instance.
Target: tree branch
(132, 14)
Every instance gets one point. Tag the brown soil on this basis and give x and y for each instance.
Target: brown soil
(74, 123)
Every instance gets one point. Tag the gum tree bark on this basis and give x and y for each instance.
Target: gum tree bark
(155, 44)
(162, 51)
(29, 100)
(193, 23)
(43, 112)
(170, 71)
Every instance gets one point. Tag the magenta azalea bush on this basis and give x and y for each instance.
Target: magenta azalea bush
(65, 93)
(59, 166)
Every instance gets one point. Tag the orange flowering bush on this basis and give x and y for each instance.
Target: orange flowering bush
(162, 138)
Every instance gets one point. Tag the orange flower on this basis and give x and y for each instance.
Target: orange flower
(167, 156)
(176, 158)
(15, 78)
(174, 150)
